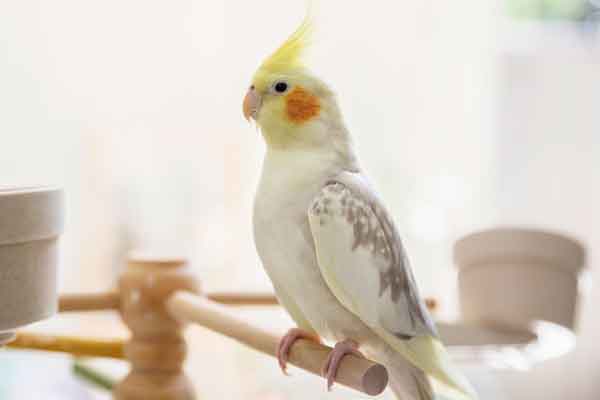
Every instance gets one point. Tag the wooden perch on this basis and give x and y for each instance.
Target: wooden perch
(69, 344)
(89, 302)
(244, 299)
(78, 302)
(355, 372)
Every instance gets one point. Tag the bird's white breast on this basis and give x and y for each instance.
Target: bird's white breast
(288, 185)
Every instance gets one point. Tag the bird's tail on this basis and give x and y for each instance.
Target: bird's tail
(408, 382)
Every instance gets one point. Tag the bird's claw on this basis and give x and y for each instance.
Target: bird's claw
(286, 342)
(340, 350)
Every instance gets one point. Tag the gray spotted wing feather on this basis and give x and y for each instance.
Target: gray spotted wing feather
(362, 259)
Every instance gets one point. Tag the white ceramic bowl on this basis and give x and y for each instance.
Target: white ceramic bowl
(31, 220)
(518, 290)
(512, 277)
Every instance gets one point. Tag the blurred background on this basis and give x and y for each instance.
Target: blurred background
(487, 111)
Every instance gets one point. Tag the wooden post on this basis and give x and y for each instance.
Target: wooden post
(157, 348)
(89, 302)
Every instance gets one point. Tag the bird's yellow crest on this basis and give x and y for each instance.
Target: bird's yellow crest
(290, 55)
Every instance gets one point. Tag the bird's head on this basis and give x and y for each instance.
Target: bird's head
(292, 107)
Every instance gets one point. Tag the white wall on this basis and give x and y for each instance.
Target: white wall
(135, 108)
(549, 154)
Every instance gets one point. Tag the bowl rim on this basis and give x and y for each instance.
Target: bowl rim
(489, 246)
(9, 190)
(30, 213)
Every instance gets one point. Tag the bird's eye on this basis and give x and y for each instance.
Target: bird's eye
(280, 87)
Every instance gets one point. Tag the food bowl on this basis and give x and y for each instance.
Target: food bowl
(31, 221)
(518, 290)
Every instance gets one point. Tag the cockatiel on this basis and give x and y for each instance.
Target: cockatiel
(327, 242)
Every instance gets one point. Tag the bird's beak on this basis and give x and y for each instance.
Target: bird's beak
(252, 103)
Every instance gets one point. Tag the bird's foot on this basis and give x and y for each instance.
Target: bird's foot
(286, 342)
(334, 358)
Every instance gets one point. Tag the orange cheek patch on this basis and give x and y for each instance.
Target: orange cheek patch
(301, 105)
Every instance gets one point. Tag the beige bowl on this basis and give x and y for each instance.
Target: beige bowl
(512, 278)
(31, 220)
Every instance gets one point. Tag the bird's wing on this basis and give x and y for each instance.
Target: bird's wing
(362, 259)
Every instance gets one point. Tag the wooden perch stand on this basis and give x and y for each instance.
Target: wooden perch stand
(156, 298)
(81, 302)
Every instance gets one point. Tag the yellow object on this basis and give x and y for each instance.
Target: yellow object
(289, 55)
(286, 99)
(67, 344)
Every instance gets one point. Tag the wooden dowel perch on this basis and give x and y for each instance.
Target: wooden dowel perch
(110, 300)
(72, 345)
(355, 372)
(89, 302)
(244, 299)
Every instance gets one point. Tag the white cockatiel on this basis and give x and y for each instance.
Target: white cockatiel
(327, 242)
